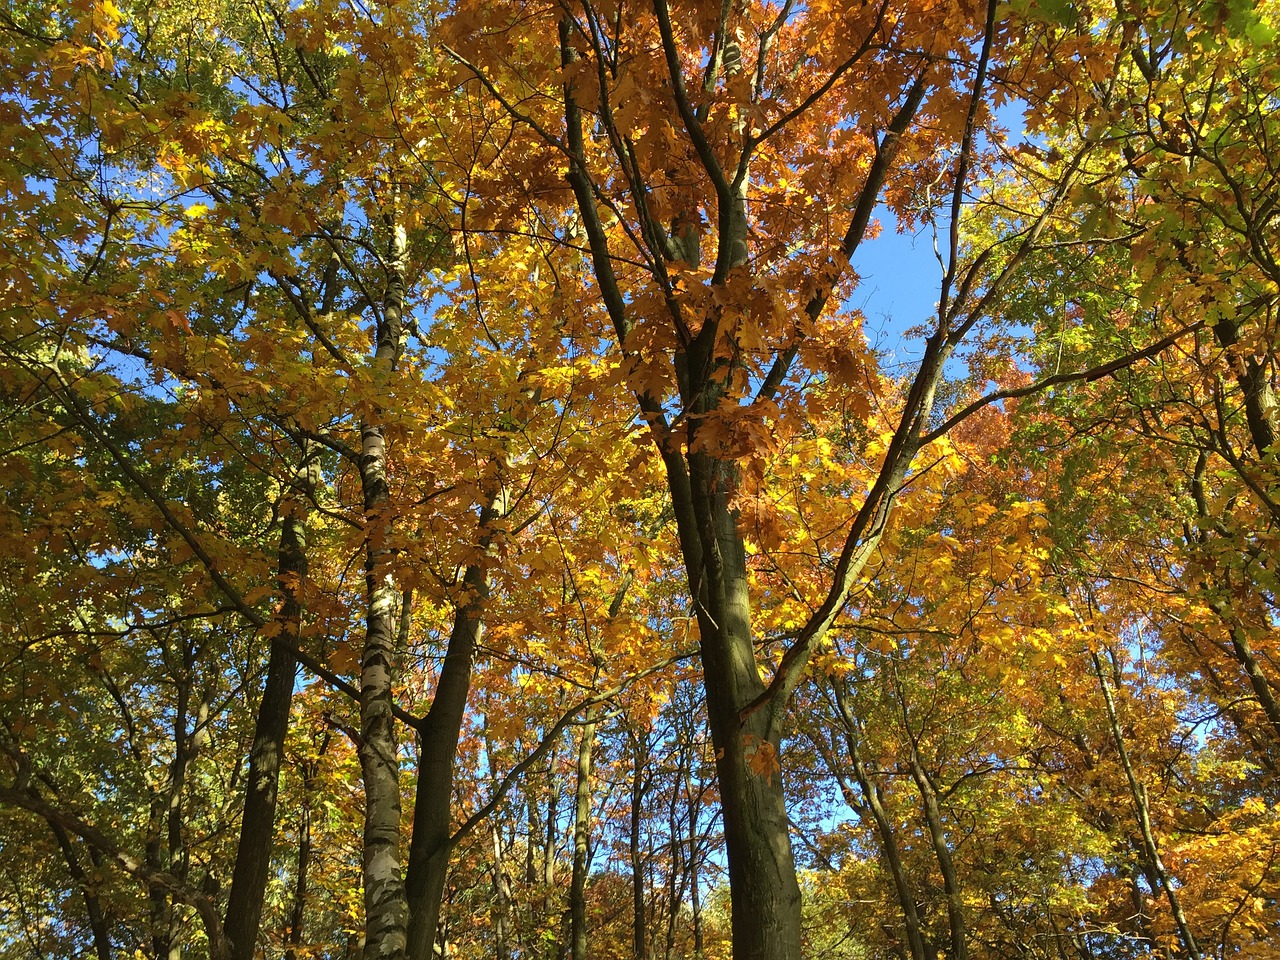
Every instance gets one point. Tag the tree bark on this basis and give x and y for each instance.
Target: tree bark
(92, 905)
(500, 912)
(941, 853)
(438, 736)
(639, 920)
(581, 845)
(386, 906)
(311, 771)
(257, 825)
(702, 479)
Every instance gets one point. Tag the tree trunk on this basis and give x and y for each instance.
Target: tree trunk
(386, 907)
(581, 845)
(703, 479)
(88, 890)
(639, 922)
(296, 916)
(257, 826)
(438, 736)
(501, 908)
(762, 874)
(884, 827)
(1159, 875)
(942, 853)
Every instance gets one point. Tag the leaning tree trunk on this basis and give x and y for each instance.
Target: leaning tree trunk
(1156, 869)
(873, 809)
(438, 736)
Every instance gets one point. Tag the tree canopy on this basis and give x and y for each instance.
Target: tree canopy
(458, 502)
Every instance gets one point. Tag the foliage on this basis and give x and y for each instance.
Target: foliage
(480, 390)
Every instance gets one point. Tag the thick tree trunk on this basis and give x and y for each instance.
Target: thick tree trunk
(762, 874)
(257, 830)
(386, 910)
(702, 480)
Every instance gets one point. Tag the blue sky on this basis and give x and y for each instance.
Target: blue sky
(900, 279)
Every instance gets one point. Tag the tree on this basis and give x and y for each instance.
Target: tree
(416, 388)
(766, 136)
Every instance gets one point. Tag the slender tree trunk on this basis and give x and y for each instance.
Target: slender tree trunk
(937, 832)
(883, 825)
(942, 854)
(168, 809)
(302, 867)
(581, 845)
(1150, 846)
(157, 897)
(550, 836)
(257, 825)
(438, 736)
(677, 867)
(386, 906)
(550, 840)
(500, 911)
(693, 794)
(88, 890)
(297, 915)
(696, 844)
(639, 922)
(695, 900)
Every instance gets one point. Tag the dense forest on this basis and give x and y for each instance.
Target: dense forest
(460, 501)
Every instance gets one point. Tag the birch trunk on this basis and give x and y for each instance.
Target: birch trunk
(386, 906)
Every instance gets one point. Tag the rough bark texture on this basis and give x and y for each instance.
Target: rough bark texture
(762, 875)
